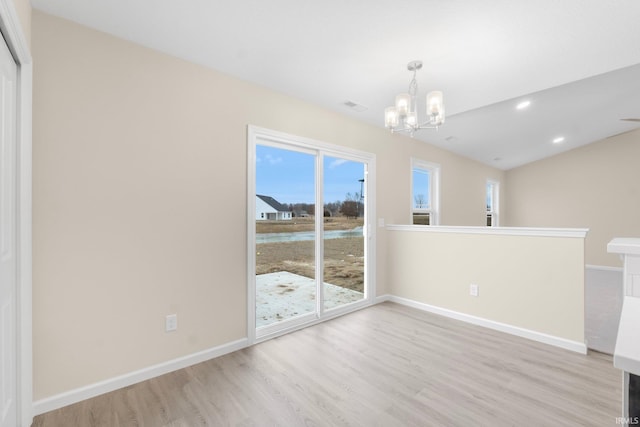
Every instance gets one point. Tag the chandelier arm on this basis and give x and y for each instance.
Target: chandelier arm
(412, 129)
(427, 125)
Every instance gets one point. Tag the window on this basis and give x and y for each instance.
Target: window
(493, 205)
(425, 177)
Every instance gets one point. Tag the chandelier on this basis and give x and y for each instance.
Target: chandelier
(403, 117)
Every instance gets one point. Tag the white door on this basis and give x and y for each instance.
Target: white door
(8, 256)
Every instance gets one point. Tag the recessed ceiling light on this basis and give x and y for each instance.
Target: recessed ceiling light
(558, 139)
(522, 105)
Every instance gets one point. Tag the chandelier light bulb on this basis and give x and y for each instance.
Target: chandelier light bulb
(391, 117)
(434, 103)
(411, 119)
(403, 104)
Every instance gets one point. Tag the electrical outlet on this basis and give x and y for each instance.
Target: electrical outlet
(171, 323)
(474, 290)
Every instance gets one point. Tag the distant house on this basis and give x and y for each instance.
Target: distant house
(268, 208)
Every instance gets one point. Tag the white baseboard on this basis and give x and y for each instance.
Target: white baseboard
(96, 389)
(603, 268)
(92, 390)
(578, 347)
(382, 298)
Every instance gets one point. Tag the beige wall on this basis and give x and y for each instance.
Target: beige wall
(595, 187)
(23, 8)
(140, 200)
(530, 282)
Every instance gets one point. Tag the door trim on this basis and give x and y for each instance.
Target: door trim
(255, 134)
(19, 48)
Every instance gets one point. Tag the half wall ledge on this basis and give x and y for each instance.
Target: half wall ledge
(500, 231)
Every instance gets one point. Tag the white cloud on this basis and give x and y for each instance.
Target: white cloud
(337, 162)
(269, 159)
(273, 160)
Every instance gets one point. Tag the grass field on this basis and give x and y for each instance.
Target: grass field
(343, 258)
(307, 224)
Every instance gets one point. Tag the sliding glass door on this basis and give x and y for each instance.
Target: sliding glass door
(343, 231)
(308, 250)
(285, 244)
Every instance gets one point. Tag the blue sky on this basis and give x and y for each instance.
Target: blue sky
(289, 176)
(421, 186)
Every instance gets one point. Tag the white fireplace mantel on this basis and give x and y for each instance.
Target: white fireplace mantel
(627, 352)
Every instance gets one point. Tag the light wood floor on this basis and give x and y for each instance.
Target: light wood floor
(387, 365)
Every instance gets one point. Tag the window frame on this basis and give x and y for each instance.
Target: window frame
(434, 191)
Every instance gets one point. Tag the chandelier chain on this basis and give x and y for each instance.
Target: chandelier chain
(413, 86)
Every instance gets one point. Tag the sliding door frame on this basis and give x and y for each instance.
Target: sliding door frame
(257, 136)
(16, 40)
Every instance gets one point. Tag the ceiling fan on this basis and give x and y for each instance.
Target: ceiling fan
(630, 120)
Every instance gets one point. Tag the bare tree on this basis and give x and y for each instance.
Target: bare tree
(349, 208)
(351, 205)
(421, 201)
(333, 207)
(355, 197)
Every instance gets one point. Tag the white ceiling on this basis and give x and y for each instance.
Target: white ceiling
(578, 61)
